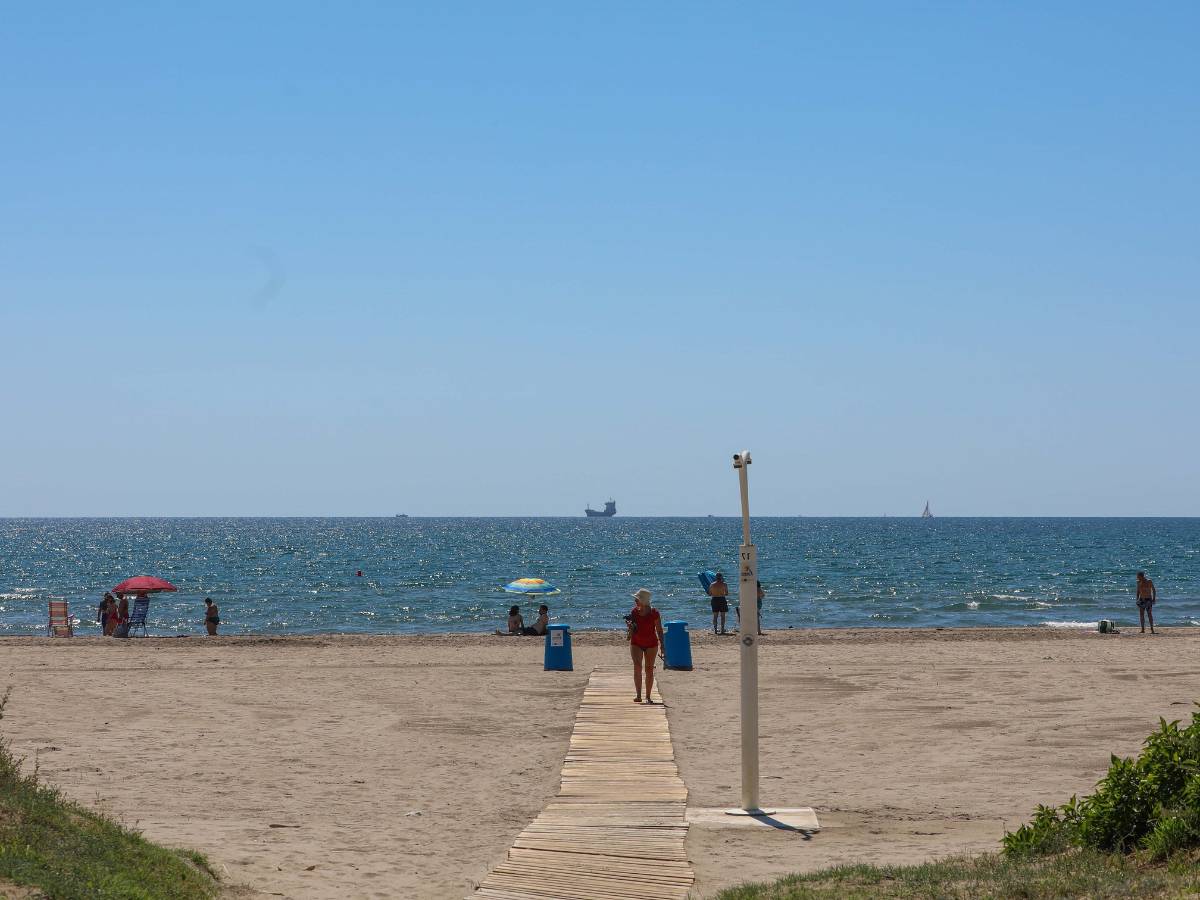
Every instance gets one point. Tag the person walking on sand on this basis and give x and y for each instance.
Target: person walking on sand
(212, 617)
(645, 639)
(110, 620)
(1147, 596)
(719, 592)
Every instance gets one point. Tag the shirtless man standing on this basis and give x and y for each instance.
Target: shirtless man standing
(1147, 596)
(212, 616)
(719, 592)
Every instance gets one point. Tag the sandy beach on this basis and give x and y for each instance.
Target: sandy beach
(404, 766)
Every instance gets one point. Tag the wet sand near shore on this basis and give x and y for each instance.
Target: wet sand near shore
(385, 766)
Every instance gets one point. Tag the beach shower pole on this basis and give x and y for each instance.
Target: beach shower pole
(748, 635)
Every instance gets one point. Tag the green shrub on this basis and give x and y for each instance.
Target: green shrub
(1169, 836)
(1152, 802)
(1171, 758)
(1122, 810)
(1047, 833)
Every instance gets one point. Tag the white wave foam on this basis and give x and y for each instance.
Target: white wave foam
(972, 604)
(1071, 624)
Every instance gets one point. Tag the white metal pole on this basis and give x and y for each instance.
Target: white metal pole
(748, 635)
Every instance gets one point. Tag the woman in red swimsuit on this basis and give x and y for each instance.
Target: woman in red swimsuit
(645, 637)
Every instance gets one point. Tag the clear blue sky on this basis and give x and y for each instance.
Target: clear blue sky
(513, 258)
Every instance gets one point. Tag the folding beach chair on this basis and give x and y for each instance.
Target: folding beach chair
(60, 620)
(137, 618)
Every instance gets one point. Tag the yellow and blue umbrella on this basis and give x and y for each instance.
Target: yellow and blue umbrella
(534, 587)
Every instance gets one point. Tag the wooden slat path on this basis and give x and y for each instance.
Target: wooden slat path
(616, 830)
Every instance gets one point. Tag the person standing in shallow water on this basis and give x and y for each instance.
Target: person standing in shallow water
(1147, 596)
(212, 617)
(645, 638)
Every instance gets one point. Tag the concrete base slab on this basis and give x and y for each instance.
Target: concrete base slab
(799, 818)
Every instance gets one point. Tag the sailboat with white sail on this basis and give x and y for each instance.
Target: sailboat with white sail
(926, 514)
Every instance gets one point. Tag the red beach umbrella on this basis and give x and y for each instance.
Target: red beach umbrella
(143, 584)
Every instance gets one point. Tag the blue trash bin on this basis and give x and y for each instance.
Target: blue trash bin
(677, 646)
(558, 648)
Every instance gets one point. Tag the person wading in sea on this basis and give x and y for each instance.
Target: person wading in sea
(1147, 596)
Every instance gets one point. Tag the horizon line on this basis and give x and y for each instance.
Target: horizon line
(4, 518)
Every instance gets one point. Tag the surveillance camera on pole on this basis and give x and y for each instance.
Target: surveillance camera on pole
(748, 603)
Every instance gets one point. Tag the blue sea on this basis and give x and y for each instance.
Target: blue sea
(297, 576)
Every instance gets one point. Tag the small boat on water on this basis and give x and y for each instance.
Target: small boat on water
(610, 510)
(401, 515)
(927, 514)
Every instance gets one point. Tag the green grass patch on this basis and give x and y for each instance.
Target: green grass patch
(1079, 873)
(68, 851)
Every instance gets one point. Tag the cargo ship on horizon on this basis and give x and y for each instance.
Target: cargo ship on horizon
(610, 509)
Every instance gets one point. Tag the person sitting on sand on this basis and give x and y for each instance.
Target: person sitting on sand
(516, 624)
(541, 623)
(1147, 596)
(212, 616)
(719, 591)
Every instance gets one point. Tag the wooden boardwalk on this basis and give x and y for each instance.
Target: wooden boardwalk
(617, 827)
